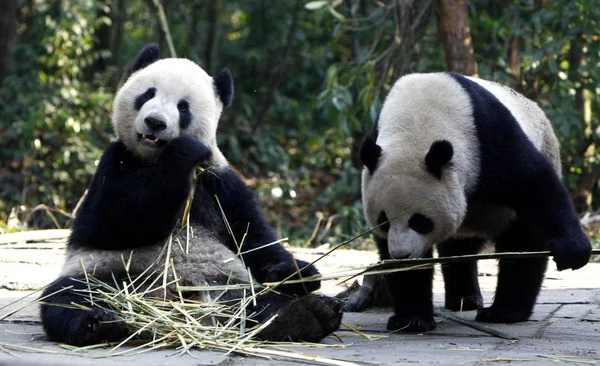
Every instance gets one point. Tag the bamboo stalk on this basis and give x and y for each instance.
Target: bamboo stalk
(474, 325)
(394, 263)
(164, 26)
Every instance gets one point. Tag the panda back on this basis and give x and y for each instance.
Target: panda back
(530, 117)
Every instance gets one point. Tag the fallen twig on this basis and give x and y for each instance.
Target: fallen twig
(474, 325)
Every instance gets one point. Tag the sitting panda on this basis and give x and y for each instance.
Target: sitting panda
(458, 161)
(165, 118)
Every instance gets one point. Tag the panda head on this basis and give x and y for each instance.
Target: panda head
(417, 200)
(164, 99)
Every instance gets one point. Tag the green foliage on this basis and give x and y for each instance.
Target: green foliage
(558, 65)
(310, 78)
(54, 121)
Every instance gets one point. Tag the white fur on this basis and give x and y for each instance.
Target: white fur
(420, 109)
(204, 262)
(408, 125)
(174, 79)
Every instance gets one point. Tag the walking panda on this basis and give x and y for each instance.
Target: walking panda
(456, 161)
(165, 118)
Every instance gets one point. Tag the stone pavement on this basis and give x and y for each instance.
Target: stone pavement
(565, 326)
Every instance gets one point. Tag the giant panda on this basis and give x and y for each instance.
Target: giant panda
(458, 161)
(165, 118)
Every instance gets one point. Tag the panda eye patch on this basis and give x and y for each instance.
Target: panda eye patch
(185, 116)
(143, 98)
(183, 105)
(383, 221)
(420, 223)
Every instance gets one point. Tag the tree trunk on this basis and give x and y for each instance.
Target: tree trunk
(515, 45)
(193, 39)
(118, 17)
(8, 32)
(214, 9)
(582, 196)
(456, 35)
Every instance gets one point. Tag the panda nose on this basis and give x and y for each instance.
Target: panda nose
(155, 124)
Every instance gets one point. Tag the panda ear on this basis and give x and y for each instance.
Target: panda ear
(370, 152)
(440, 153)
(224, 86)
(148, 54)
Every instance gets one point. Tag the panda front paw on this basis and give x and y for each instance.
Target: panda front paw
(189, 149)
(359, 301)
(310, 319)
(96, 326)
(412, 324)
(572, 253)
(282, 270)
(498, 314)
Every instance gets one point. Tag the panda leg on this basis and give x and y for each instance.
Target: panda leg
(519, 280)
(460, 279)
(65, 323)
(543, 202)
(411, 294)
(309, 318)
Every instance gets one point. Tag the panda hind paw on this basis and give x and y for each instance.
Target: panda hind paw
(96, 326)
(412, 324)
(498, 315)
(309, 318)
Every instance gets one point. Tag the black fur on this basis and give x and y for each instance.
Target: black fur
(513, 173)
(132, 204)
(141, 99)
(410, 292)
(148, 55)
(421, 223)
(519, 280)
(77, 327)
(148, 195)
(384, 222)
(185, 115)
(370, 152)
(224, 86)
(241, 208)
(440, 153)
(461, 279)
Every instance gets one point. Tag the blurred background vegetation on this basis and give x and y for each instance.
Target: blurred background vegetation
(310, 79)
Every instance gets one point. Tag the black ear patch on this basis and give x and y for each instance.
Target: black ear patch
(370, 153)
(440, 153)
(148, 54)
(224, 86)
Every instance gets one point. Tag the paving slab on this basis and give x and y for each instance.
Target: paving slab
(564, 328)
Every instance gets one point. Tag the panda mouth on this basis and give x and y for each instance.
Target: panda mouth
(151, 140)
